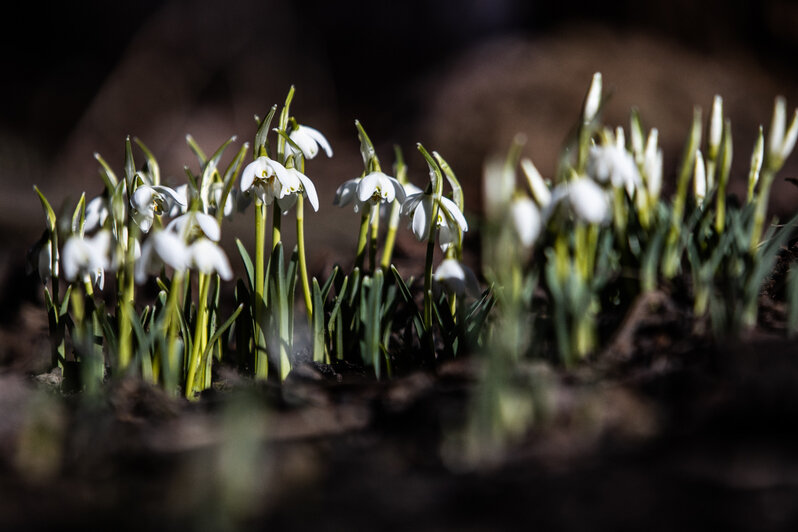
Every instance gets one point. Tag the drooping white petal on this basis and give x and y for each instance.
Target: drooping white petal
(248, 175)
(96, 214)
(526, 221)
(307, 145)
(316, 135)
(209, 226)
(454, 212)
(537, 186)
(142, 198)
(208, 257)
(399, 190)
(310, 191)
(421, 218)
(368, 186)
(457, 278)
(346, 192)
(286, 202)
(170, 249)
(588, 200)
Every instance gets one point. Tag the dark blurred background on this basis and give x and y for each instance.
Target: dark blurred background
(462, 77)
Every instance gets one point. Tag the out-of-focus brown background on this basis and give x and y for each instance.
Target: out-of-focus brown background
(460, 76)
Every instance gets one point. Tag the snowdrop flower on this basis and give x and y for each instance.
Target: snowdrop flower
(451, 223)
(180, 207)
(161, 248)
(652, 165)
(527, 221)
(193, 224)
(699, 178)
(584, 198)
(457, 279)
(378, 187)
(593, 99)
(300, 184)
(309, 140)
(40, 258)
(87, 258)
(540, 191)
(267, 179)
(96, 214)
(347, 193)
(612, 163)
(148, 201)
(207, 257)
(781, 144)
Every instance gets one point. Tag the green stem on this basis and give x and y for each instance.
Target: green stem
(428, 279)
(199, 347)
(261, 359)
(761, 207)
(277, 219)
(362, 239)
(303, 267)
(375, 232)
(171, 326)
(125, 327)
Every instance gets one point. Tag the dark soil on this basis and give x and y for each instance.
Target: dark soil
(664, 430)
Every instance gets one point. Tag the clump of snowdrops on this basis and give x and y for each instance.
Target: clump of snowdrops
(557, 255)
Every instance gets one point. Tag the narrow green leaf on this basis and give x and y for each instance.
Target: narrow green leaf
(79, 216)
(107, 174)
(48, 211)
(153, 168)
(192, 144)
(260, 148)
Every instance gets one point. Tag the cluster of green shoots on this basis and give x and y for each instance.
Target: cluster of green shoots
(162, 317)
(558, 255)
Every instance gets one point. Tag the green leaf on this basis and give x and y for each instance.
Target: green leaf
(107, 174)
(367, 150)
(219, 332)
(408, 297)
(457, 190)
(319, 347)
(79, 215)
(209, 171)
(260, 148)
(192, 144)
(247, 264)
(325, 290)
(62, 310)
(230, 176)
(152, 164)
(48, 211)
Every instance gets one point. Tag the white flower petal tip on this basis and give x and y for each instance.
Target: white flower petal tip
(450, 221)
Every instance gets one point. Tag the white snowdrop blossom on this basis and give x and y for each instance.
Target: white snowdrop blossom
(44, 259)
(216, 192)
(347, 193)
(527, 221)
(207, 257)
(584, 198)
(652, 165)
(180, 207)
(87, 258)
(96, 214)
(268, 180)
(378, 187)
(540, 191)
(300, 184)
(309, 140)
(613, 164)
(450, 222)
(699, 178)
(781, 139)
(149, 201)
(194, 224)
(161, 248)
(456, 278)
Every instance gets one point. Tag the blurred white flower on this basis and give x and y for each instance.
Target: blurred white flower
(540, 191)
(87, 258)
(207, 257)
(652, 165)
(456, 278)
(148, 201)
(527, 221)
(699, 178)
(613, 164)
(267, 179)
(584, 198)
(450, 221)
(194, 224)
(96, 214)
(593, 99)
(309, 140)
(180, 207)
(161, 248)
